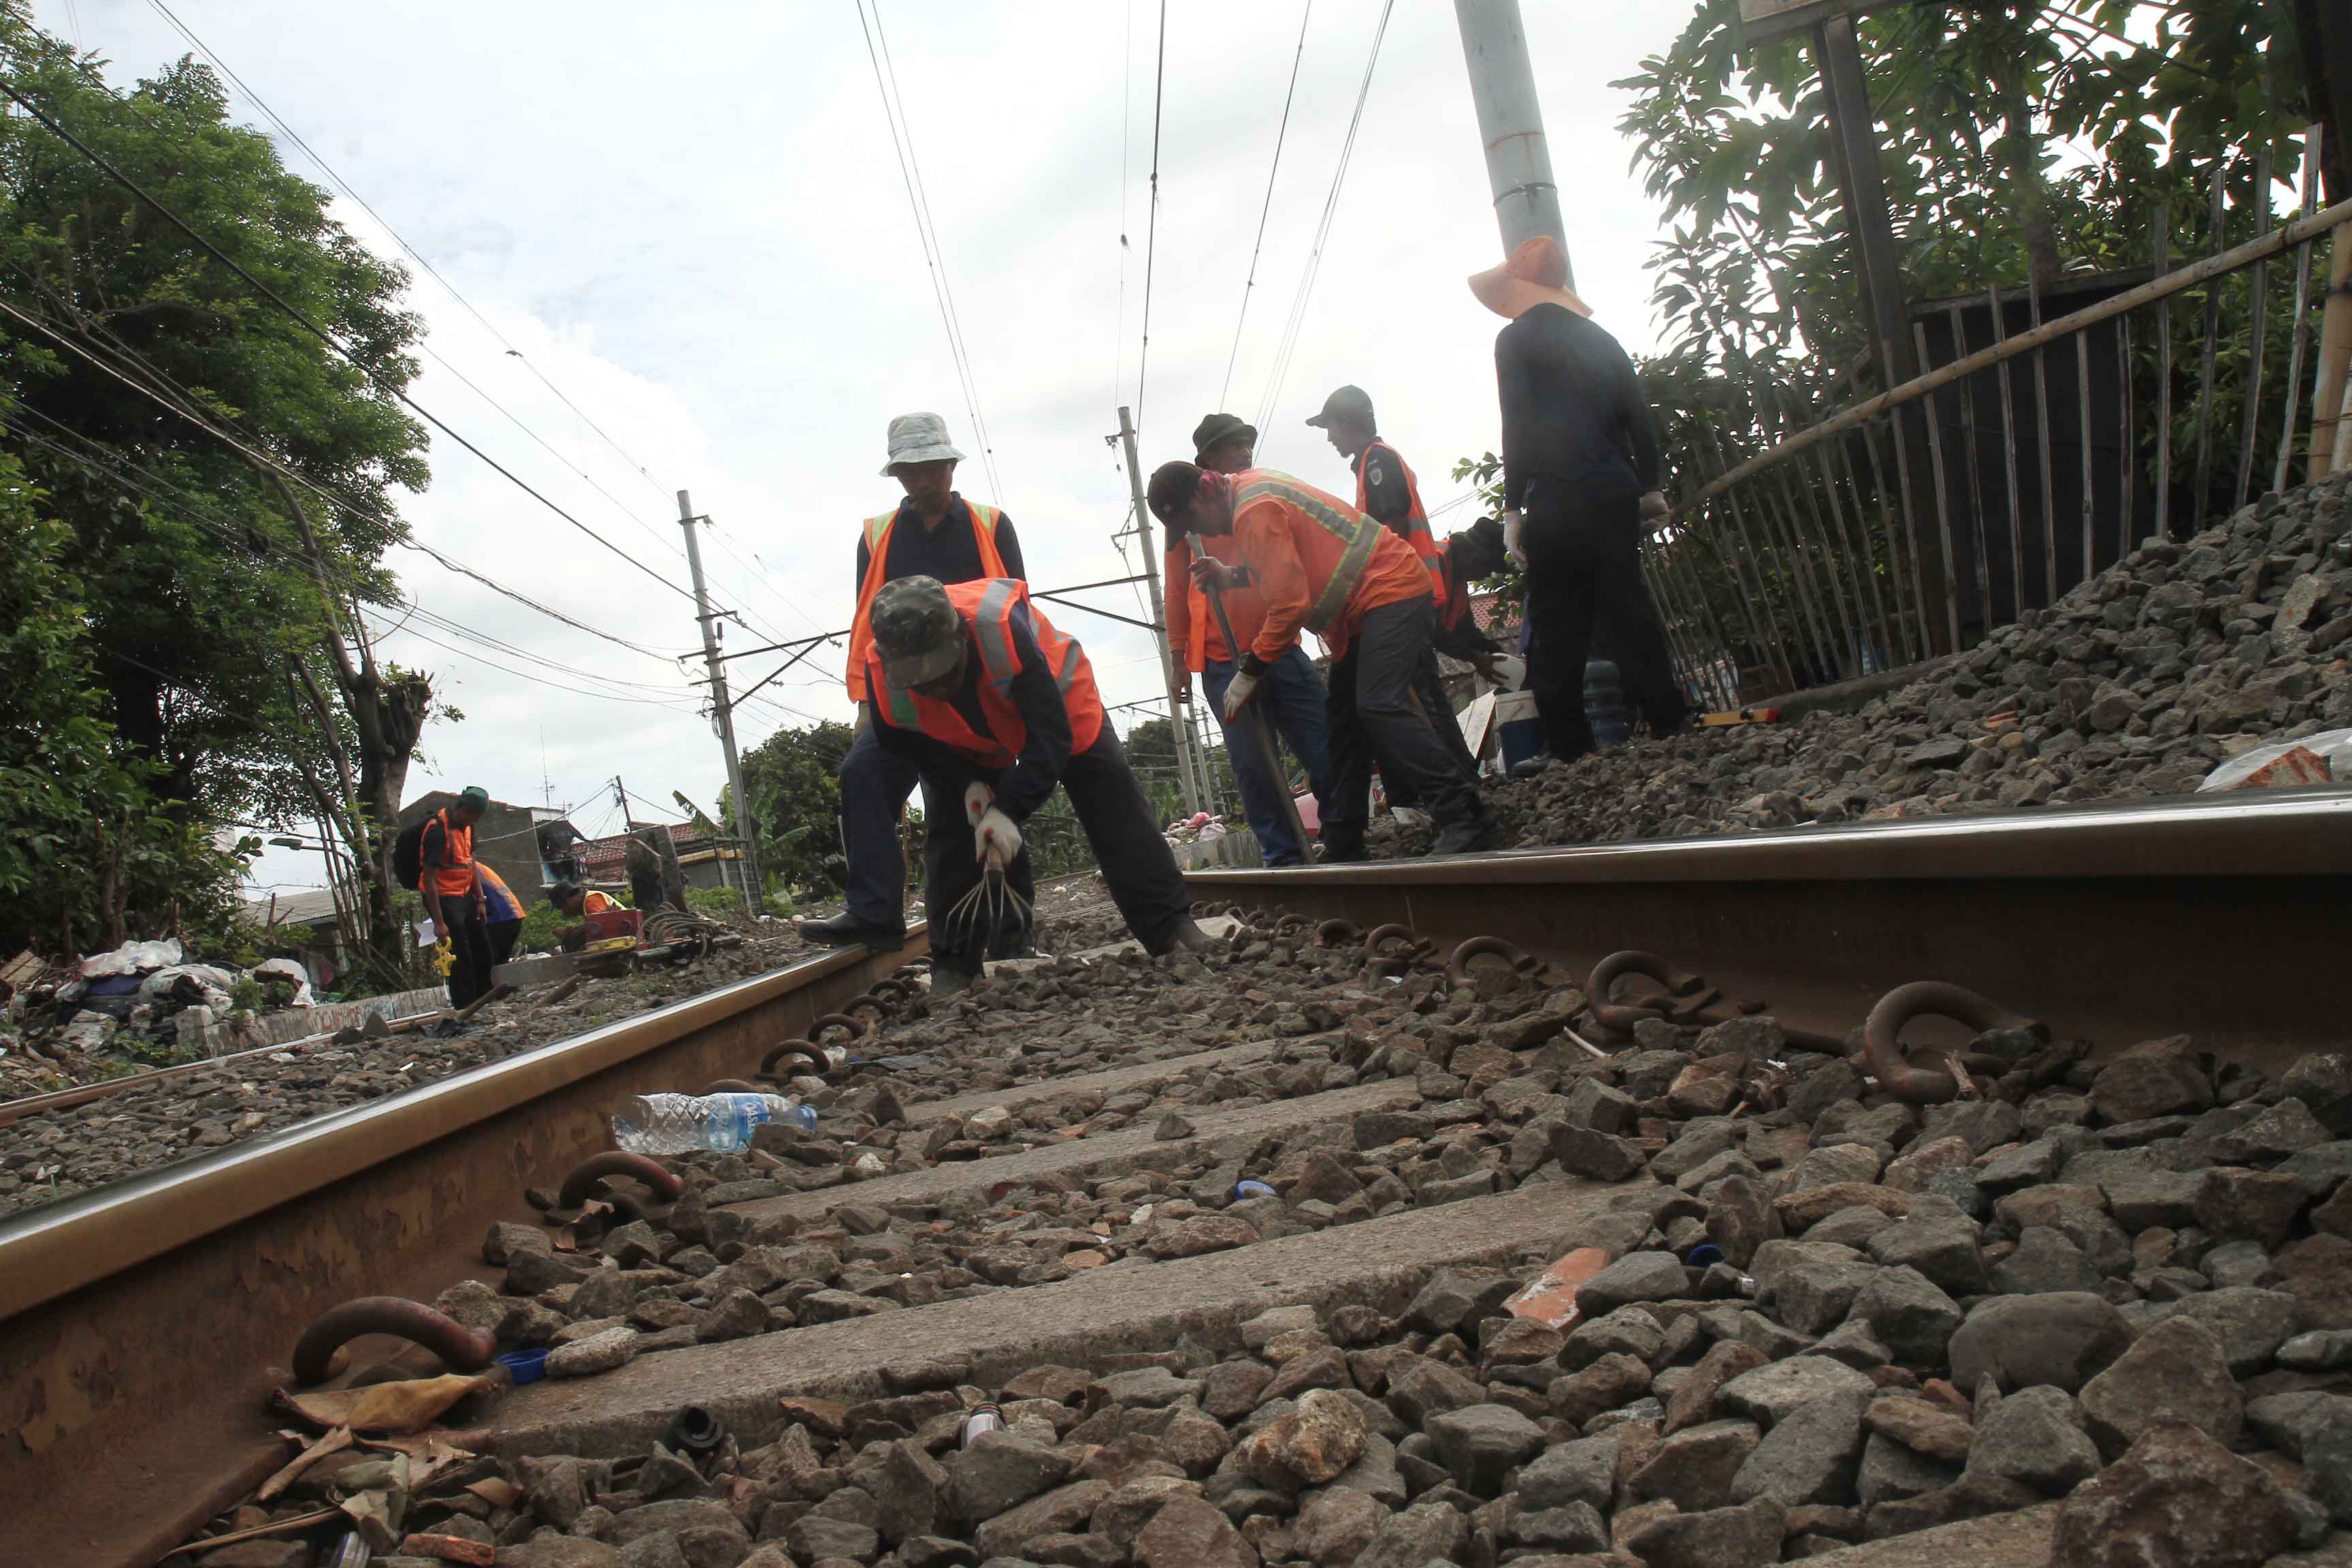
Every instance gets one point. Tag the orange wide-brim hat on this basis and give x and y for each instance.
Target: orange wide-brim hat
(1535, 274)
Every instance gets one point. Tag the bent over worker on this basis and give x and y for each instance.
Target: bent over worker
(1291, 691)
(935, 532)
(1325, 567)
(453, 892)
(992, 706)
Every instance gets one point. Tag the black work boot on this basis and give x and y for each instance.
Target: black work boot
(1468, 835)
(949, 981)
(1188, 937)
(845, 929)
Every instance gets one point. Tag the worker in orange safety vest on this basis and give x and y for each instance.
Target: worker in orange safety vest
(1323, 566)
(935, 532)
(1386, 489)
(993, 708)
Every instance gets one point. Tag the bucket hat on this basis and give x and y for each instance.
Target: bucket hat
(919, 438)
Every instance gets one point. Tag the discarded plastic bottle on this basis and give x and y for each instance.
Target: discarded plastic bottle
(1252, 1190)
(689, 1123)
(983, 1418)
(350, 1551)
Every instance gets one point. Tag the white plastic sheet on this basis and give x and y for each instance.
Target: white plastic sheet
(132, 958)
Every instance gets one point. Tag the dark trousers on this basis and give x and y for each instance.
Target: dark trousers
(1584, 576)
(1120, 825)
(875, 784)
(458, 917)
(1374, 717)
(1291, 697)
(502, 935)
(1429, 686)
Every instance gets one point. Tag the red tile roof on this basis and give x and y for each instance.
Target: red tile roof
(606, 859)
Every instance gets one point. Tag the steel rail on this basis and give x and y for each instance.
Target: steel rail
(2226, 919)
(142, 1324)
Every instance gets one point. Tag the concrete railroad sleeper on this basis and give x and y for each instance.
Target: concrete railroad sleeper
(146, 1323)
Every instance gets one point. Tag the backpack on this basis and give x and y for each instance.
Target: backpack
(408, 852)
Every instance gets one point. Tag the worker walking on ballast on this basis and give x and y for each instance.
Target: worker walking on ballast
(936, 534)
(1325, 567)
(992, 707)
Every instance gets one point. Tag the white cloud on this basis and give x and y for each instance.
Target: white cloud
(692, 220)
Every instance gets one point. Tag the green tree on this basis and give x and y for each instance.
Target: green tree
(223, 601)
(89, 853)
(794, 780)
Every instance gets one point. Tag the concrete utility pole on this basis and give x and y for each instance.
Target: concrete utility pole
(1511, 122)
(723, 712)
(1186, 777)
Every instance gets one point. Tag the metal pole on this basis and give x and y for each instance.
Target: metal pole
(1185, 774)
(1511, 122)
(723, 711)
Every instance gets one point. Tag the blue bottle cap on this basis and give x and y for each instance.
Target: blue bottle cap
(524, 1366)
(1704, 1253)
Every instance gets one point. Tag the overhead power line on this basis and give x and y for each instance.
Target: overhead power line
(1281, 132)
(304, 321)
(902, 142)
(182, 408)
(1298, 319)
(1151, 221)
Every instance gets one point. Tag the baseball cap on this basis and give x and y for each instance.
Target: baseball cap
(916, 631)
(1348, 402)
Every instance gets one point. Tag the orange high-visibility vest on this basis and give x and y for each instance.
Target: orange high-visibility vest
(593, 902)
(877, 553)
(987, 607)
(454, 876)
(1193, 620)
(1415, 528)
(1346, 564)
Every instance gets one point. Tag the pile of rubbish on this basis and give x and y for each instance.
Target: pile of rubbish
(144, 1000)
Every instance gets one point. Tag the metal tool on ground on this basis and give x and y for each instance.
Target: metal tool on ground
(1265, 736)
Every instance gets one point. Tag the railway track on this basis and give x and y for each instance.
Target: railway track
(146, 1323)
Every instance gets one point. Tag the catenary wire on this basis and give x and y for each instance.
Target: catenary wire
(902, 146)
(1298, 319)
(1266, 209)
(302, 319)
(286, 472)
(1151, 219)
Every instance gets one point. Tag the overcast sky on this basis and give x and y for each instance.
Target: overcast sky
(690, 219)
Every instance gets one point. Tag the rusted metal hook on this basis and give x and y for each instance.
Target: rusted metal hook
(821, 1060)
(1335, 934)
(1882, 1045)
(588, 1177)
(459, 1347)
(731, 1086)
(857, 1030)
(1620, 1018)
(1457, 968)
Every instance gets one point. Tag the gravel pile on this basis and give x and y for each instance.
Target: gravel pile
(2126, 1284)
(2138, 683)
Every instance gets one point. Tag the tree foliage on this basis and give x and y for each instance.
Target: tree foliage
(2016, 141)
(221, 599)
(794, 780)
(85, 842)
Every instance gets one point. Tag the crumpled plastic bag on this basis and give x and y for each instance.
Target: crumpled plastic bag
(2325, 757)
(133, 958)
(291, 970)
(211, 984)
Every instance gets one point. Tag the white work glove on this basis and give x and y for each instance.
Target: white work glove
(1654, 507)
(1237, 695)
(1511, 522)
(995, 837)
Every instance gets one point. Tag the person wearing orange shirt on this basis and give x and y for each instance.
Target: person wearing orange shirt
(1321, 565)
(1292, 691)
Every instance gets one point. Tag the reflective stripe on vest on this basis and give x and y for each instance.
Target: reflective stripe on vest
(1363, 534)
(984, 520)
